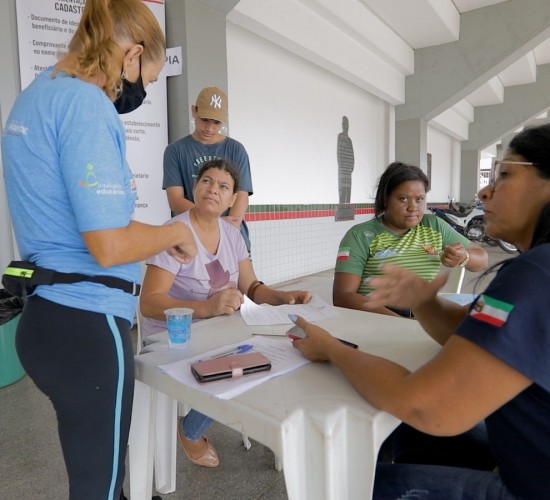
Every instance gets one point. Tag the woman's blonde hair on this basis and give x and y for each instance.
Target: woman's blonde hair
(104, 25)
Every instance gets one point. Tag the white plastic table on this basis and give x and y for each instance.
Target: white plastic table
(323, 433)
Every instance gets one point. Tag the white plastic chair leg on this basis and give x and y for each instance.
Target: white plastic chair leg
(246, 442)
(166, 443)
(142, 442)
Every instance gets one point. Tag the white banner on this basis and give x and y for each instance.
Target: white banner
(45, 27)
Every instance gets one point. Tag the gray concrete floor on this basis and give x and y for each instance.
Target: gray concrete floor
(31, 464)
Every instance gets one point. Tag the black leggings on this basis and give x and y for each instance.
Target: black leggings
(83, 361)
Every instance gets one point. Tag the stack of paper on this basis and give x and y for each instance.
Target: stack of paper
(284, 358)
(264, 314)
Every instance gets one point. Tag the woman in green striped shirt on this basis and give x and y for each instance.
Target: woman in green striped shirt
(400, 233)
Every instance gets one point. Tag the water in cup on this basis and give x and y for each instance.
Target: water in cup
(178, 323)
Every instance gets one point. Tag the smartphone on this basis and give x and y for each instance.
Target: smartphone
(230, 366)
(297, 333)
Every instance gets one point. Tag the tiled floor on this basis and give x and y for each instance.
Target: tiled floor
(31, 465)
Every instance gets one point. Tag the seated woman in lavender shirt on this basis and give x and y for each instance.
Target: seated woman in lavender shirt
(212, 284)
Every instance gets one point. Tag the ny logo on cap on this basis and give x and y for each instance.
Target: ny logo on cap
(216, 101)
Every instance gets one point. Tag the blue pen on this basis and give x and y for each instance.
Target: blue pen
(237, 350)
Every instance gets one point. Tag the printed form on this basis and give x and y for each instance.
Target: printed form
(264, 314)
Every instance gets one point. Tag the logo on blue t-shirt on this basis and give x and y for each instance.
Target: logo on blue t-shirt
(90, 178)
(13, 128)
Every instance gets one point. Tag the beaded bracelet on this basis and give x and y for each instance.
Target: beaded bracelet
(252, 288)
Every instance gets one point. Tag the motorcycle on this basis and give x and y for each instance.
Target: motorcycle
(468, 219)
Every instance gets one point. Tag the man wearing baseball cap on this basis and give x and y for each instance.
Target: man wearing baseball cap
(184, 157)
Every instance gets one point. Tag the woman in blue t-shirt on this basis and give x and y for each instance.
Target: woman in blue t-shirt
(71, 198)
(493, 365)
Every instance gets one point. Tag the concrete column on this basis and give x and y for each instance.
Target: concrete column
(411, 137)
(10, 85)
(201, 32)
(469, 174)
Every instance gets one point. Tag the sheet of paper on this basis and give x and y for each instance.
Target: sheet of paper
(264, 314)
(284, 358)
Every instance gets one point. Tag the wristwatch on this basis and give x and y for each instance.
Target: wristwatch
(465, 261)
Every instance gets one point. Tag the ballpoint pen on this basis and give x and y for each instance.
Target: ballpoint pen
(236, 350)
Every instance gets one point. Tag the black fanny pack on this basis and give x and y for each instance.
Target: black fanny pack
(21, 278)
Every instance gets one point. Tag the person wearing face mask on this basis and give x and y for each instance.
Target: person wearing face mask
(71, 198)
(132, 94)
(184, 158)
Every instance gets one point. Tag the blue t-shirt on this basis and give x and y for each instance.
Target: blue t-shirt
(184, 158)
(65, 170)
(511, 320)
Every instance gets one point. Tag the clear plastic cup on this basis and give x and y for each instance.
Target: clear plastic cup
(178, 323)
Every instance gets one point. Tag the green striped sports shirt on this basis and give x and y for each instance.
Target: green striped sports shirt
(368, 245)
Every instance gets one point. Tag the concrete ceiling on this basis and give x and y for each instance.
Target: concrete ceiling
(427, 23)
(423, 23)
(435, 60)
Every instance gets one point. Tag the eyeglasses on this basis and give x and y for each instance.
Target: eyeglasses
(497, 165)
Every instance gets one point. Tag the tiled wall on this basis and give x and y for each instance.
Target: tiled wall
(289, 241)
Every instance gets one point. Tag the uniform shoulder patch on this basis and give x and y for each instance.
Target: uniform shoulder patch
(490, 310)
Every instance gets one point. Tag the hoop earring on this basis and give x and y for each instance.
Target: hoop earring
(124, 75)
